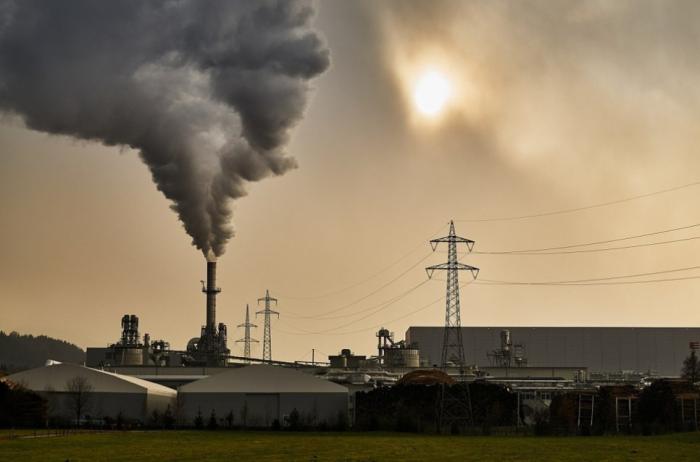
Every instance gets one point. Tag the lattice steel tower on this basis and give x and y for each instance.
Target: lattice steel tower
(267, 340)
(452, 347)
(246, 337)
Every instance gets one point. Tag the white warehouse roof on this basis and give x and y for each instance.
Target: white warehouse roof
(54, 377)
(262, 379)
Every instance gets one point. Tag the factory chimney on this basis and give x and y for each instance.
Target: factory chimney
(211, 290)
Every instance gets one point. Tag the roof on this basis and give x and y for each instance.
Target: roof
(56, 376)
(262, 379)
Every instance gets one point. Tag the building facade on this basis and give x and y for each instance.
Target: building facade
(656, 350)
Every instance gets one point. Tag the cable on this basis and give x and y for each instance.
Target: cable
(366, 329)
(342, 316)
(368, 278)
(332, 329)
(578, 209)
(649, 281)
(605, 249)
(335, 310)
(585, 244)
(580, 281)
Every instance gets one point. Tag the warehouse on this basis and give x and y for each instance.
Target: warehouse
(659, 350)
(259, 395)
(71, 389)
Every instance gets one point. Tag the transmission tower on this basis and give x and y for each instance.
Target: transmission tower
(246, 338)
(455, 403)
(452, 347)
(267, 340)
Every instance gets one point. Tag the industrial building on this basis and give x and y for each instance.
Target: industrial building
(259, 395)
(104, 394)
(602, 350)
(209, 349)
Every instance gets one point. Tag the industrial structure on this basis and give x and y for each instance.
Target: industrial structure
(509, 354)
(452, 345)
(604, 351)
(72, 390)
(395, 354)
(129, 350)
(267, 335)
(210, 348)
(212, 382)
(247, 340)
(262, 396)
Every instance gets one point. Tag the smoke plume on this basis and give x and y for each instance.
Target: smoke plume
(205, 90)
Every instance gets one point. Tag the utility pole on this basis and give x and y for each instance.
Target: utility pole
(246, 337)
(267, 340)
(455, 404)
(452, 347)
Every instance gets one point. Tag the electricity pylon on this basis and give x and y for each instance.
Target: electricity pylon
(267, 340)
(452, 347)
(455, 403)
(246, 337)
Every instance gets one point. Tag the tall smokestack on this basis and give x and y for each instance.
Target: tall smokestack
(211, 290)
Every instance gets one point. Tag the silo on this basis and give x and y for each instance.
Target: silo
(401, 357)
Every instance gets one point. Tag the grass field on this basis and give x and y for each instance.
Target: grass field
(258, 446)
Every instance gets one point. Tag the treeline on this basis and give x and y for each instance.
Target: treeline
(436, 408)
(20, 352)
(658, 408)
(21, 408)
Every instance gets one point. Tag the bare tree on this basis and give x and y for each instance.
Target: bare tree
(79, 396)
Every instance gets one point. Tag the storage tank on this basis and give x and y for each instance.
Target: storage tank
(338, 361)
(401, 357)
(129, 356)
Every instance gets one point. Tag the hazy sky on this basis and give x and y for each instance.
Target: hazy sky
(554, 105)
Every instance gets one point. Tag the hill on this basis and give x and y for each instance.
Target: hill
(19, 352)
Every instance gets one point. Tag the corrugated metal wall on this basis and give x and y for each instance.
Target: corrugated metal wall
(601, 349)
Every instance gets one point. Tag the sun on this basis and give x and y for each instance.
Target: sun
(431, 93)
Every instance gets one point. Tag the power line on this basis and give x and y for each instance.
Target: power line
(605, 249)
(342, 316)
(332, 329)
(367, 329)
(581, 281)
(578, 209)
(586, 244)
(380, 288)
(649, 281)
(368, 278)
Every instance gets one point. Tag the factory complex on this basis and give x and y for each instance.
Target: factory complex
(137, 377)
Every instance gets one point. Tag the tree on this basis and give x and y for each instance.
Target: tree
(79, 396)
(691, 368)
(229, 420)
(168, 418)
(294, 420)
(212, 424)
(244, 414)
(656, 408)
(198, 420)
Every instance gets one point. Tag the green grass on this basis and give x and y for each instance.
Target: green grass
(283, 446)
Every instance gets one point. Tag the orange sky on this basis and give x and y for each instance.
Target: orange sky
(570, 106)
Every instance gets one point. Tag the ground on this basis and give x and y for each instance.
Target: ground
(283, 446)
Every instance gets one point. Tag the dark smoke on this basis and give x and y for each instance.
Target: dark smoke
(205, 90)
